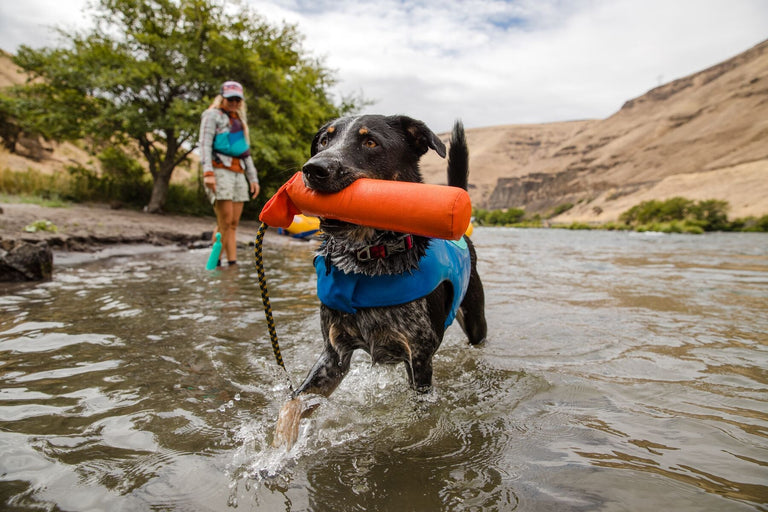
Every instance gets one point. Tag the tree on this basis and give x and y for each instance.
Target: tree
(713, 214)
(148, 68)
(21, 115)
(10, 129)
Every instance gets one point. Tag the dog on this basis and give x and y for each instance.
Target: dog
(385, 148)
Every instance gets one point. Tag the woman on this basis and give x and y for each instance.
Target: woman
(226, 159)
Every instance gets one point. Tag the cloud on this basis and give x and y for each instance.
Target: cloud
(494, 62)
(32, 22)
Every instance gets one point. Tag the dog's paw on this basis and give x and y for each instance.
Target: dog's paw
(287, 429)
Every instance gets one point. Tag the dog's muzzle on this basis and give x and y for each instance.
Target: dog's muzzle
(316, 172)
(325, 173)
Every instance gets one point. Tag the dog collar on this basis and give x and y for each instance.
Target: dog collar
(381, 251)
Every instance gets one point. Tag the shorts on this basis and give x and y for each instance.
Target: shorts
(230, 186)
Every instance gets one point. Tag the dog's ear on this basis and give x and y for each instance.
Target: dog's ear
(316, 138)
(421, 137)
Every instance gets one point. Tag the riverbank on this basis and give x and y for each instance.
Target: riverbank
(89, 228)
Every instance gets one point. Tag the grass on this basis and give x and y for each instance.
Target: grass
(28, 199)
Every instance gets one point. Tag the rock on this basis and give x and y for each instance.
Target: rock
(25, 261)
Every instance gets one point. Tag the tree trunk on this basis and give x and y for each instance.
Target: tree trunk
(10, 135)
(160, 190)
(163, 178)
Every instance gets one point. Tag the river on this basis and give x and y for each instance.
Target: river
(622, 372)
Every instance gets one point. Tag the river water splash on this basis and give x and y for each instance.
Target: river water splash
(622, 371)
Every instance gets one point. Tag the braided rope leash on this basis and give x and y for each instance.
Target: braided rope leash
(257, 256)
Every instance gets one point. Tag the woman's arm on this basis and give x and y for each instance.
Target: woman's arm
(207, 133)
(250, 173)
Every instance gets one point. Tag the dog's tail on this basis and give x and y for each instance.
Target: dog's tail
(458, 158)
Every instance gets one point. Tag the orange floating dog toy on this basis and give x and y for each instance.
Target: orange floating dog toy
(417, 208)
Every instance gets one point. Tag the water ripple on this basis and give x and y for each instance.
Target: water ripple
(620, 371)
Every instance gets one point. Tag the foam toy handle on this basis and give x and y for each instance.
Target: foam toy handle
(213, 259)
(434, 211)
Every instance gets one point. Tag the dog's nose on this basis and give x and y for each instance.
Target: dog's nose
(314, 171)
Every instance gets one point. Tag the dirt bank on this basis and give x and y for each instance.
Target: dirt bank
(91, 228)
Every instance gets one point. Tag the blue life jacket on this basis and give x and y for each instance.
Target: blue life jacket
(445, 260)
(232, 143)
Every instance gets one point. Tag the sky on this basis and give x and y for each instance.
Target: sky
(487, 62)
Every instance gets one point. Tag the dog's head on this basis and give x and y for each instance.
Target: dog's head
(369, 146)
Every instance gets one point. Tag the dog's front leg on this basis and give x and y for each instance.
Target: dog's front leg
(327, 373)
(420, 369)
(323, 379)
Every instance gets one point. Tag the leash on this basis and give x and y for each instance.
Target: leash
(265, 300)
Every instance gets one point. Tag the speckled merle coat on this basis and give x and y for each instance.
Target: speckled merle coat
(388, 148)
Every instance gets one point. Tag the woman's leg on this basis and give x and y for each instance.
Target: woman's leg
(223, 209)
(228, 217)
(237, 211)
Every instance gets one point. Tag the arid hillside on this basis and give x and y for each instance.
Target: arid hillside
(704, 136)
(35, 153)
(48, 156)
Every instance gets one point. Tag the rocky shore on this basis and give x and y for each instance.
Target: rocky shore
(30, 234)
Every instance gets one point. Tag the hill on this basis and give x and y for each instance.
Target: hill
(35, 153)
(703, 136)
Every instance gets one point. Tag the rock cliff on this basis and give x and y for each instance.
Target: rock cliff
(704, 136)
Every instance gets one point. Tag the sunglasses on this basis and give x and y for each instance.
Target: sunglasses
(234, 100)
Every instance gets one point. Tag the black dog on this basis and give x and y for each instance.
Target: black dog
(387, 148)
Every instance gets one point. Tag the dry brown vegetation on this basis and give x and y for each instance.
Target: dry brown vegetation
(704, 136)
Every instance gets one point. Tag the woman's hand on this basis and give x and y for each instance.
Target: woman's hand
(210, 182)
(254, 190)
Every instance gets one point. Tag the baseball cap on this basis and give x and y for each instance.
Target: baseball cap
(231, 89)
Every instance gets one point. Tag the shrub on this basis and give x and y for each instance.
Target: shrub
(498, 217)
(579, 225)
(752, 224)
(679, 215)
(561, 209)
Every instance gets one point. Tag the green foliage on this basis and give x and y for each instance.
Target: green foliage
(148, 68)
(21, 114)
(679, 215)
(713, 214)
(561, 209)
(123, 178)
(190, 199)
(117, 164)
(614, 226)
(78, 184)
(676, 215)
(41, 225)
(579, 226)
(761, 224)
(10, 128)
(646, 212)
(498, 217)
(752, 224)
(30, 183)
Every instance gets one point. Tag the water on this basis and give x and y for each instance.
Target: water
(622, 372)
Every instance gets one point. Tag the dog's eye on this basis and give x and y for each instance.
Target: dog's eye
(370, 143)
(323, 140)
